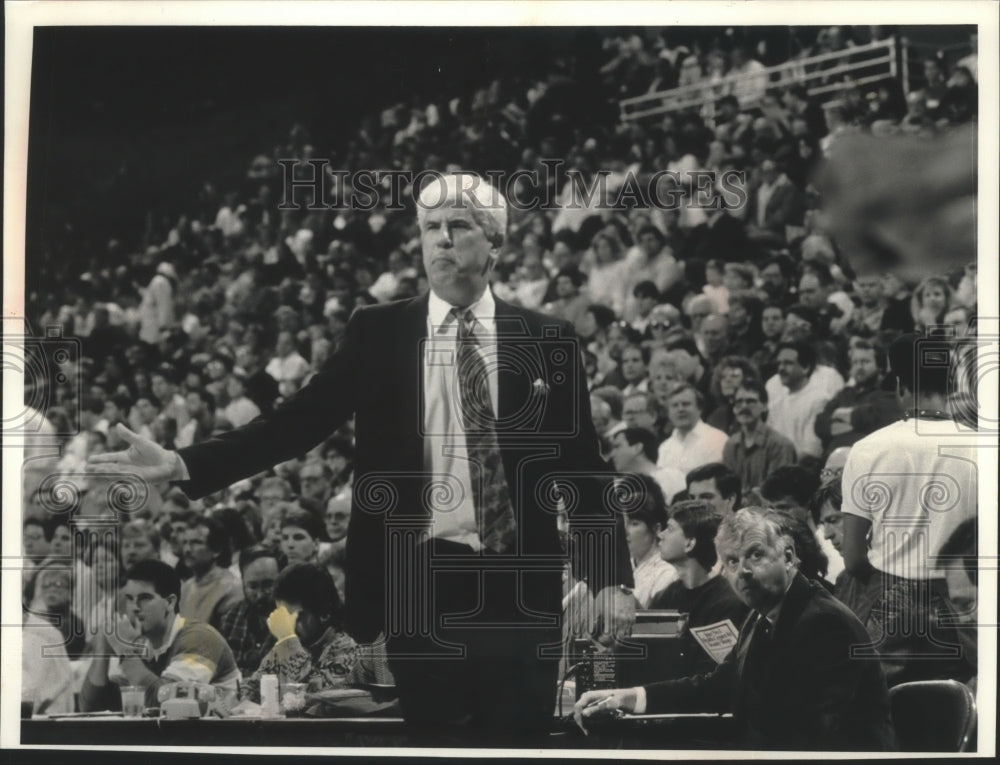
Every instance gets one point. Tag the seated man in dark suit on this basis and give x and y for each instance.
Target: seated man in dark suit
(790, 682)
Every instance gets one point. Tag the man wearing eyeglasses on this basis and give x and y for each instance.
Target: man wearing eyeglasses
(757, 449)
(244, 626)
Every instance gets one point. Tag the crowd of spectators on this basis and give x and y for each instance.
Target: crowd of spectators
(731, 354)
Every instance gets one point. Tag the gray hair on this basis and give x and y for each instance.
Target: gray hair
(485, 202)
(735, 526)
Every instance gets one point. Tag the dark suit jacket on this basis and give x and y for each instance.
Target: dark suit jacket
(724, 238)
(873, 408)
(811, 694)
(785, 207)
(544, 432)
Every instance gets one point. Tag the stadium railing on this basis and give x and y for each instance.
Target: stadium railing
(826, 73)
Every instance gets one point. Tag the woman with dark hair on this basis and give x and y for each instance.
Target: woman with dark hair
(645, 518)
(52, 601)
(105, 572)
(604, 265)
(310, 644)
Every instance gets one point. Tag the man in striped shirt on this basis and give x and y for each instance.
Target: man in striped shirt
(152, 645)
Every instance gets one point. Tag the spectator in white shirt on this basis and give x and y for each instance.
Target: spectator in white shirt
(645, 296)
(201, 408)
(635, 369)
(163, 382)
(645, 518)
(651, 260)
(241, 409)
(633, 450)
(693, 443)
(793, 411)
(288, 366)
(532, 281)
(388, 282)
(605, 269)
(752, 84)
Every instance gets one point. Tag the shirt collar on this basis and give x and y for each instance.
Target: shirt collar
(484, 309)
(693, 433)
(176, 627)
(654, 553)
(760, 436)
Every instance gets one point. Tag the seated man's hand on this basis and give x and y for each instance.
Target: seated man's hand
(124, 637)
(144, 458)
(604, 703)
(281, 623)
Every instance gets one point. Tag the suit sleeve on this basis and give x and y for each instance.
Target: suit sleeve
(833, 681)
(703, 693)
(296, 426)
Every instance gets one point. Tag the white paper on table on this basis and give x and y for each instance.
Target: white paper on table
(717, 639)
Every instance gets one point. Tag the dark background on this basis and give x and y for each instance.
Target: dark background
(128, 122)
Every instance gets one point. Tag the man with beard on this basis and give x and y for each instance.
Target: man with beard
(757, 449)
(799, 399)
(862, 407)
(776, 277)
(244, 626)
(213, 589)
(790, 682)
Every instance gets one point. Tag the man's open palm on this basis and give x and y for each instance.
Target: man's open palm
(143, 458)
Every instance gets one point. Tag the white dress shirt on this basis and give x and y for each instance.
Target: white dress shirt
(446, 457)
(703, 444)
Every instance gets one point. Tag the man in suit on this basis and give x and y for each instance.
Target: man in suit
(472, 420)
(774, 203)
(790, 681)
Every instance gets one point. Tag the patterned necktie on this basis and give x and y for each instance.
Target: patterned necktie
(490, 494)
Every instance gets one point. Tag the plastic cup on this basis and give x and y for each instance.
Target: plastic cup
(133, 700)
(293, 698)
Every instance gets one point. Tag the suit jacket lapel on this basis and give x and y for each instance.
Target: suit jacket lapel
(792, 606)
(511, 385)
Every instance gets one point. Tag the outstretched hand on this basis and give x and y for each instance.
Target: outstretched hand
(144, 458)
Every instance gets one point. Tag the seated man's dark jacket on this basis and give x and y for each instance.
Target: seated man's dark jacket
(809, 693)
(544, 432)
